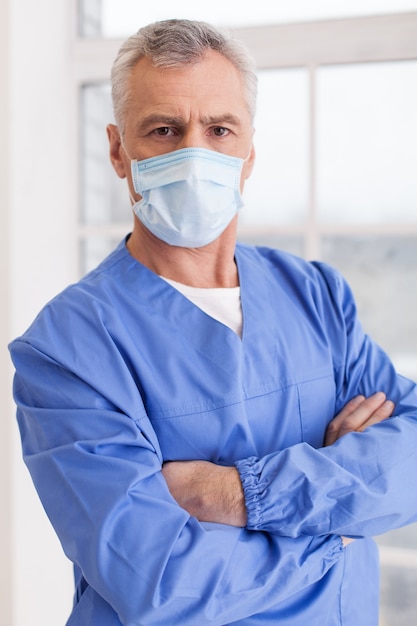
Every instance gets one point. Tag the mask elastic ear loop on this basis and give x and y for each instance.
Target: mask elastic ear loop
(124, 148)
(249, 153)
(132, 199)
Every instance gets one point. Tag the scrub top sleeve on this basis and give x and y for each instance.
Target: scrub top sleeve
(359, 485)
(97, 472)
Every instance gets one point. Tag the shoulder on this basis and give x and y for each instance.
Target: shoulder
(312, 286)
(81, 304)
(287, 267)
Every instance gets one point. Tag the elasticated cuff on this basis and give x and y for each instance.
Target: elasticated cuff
(250, 477)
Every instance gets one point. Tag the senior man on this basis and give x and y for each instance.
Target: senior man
(206, 422)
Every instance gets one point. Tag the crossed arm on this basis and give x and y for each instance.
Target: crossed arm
(214, 493)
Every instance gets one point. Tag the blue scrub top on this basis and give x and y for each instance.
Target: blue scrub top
(121, 372)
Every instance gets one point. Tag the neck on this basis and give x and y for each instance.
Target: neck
(210, 266)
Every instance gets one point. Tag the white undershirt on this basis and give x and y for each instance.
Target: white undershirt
(221, 303)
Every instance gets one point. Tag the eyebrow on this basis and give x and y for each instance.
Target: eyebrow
(226, 118)
(172, 120)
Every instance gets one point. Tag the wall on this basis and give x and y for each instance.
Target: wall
(38, 258)
(5, 458)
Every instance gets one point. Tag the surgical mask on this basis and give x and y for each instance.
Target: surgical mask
(189, 196)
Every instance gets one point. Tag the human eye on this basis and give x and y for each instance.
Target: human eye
(220, 131)
(164, 131)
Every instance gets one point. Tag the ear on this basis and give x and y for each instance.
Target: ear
(117, 154)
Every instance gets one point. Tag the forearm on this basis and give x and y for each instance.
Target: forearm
(209, 492)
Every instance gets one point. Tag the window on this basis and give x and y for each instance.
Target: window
(367, 194)
(336, 137)
(119, 18)
(366, 148)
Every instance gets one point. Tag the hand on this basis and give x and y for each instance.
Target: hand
(346, 541)
(209, 492)
(357, 415)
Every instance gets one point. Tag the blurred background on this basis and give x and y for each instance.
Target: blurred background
(335, 179)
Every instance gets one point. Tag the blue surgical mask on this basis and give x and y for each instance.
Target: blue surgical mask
(189, 196)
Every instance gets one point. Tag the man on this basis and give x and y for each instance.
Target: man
(188, 410)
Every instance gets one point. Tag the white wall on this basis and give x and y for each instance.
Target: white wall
(5, 461)
(37, 248)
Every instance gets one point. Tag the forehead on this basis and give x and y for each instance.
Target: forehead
(212, 83)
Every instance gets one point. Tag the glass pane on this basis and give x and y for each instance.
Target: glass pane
(277, 191)
(405, 537)
(367, 143)
(120, 18)
(291, 244)
(398, 596)
(382, 272)
(94, 249)
(104, 196)
(90, 18)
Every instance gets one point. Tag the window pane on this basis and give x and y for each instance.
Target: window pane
(398, 596)
(277, 191)
(405, 537)
(291, 244)
(104, 196)
(367, 143)
(383, 274)
(94, 249)
(90, 18)
(120, 18)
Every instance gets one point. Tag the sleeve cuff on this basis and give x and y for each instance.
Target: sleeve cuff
(250, 477)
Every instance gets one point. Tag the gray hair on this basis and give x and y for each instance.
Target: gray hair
(172, 44)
